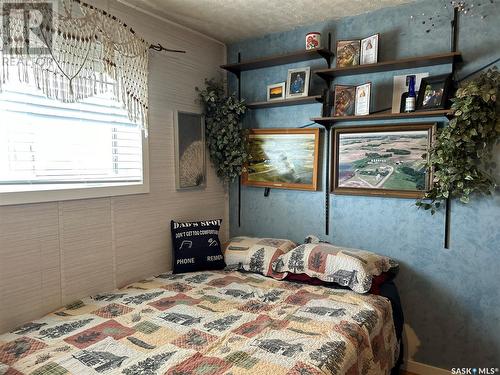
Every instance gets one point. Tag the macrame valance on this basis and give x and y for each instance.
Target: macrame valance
(78, 52)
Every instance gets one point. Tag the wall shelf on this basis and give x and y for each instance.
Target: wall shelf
(286, 102)
(282, 59)
(264, 62)
(382, 116)
(408, 63)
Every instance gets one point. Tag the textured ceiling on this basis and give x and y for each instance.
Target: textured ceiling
(232, 20)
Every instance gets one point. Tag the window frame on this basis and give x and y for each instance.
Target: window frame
(65, 194)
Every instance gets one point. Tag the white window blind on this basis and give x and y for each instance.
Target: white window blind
(46, 144)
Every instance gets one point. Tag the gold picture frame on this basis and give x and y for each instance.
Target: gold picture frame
(283, 158)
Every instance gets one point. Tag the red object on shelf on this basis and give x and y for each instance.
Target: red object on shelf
(313, 40)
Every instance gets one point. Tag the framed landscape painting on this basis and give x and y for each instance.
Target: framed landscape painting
(386, 160)
(283, 158)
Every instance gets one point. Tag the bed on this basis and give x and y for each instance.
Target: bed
(215, 322)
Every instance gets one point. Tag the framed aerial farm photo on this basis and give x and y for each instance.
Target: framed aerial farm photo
(383, 160)
(283, 158)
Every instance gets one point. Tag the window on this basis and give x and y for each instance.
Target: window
(67, 150)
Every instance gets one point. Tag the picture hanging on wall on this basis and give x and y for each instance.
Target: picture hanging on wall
(348, 53)
(189, 137)
(383, 160)
(283, 158)
(434, 93)
(297, 84)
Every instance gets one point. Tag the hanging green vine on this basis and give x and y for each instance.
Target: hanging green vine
(462, 156)
(226, 140)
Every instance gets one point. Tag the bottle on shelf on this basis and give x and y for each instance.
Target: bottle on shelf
(411, 97)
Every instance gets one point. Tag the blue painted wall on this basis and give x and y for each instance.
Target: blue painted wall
(451, 297)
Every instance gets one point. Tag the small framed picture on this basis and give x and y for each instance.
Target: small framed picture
(189, 136)
(369, 50)
(276, 91)
(345, 97)
(362, 101)
(434, 92)
(348, 53)
(298, 82)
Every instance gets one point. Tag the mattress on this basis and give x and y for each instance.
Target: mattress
(206, 323)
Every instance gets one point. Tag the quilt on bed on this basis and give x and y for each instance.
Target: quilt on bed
(209, 323)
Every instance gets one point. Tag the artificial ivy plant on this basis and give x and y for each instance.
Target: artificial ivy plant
(462, 156)
(225, 138)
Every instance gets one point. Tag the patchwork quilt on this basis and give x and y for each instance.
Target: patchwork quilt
(207, 323)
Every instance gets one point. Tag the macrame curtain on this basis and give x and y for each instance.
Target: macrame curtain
(84, 51)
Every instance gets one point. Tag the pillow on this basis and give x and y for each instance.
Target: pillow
(256, 254)
(196, 246)
(347, 267)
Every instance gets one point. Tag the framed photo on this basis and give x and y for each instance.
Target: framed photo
(298, 82)
(383, 160)
(434, 93)
(190, 163)
(283, 158)
(369, 50)
(348, 53)
(345, 97)
(276, 91)
(362, 101)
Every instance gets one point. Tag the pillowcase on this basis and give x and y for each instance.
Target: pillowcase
(256, 254)
(196, 246)
(347, 267)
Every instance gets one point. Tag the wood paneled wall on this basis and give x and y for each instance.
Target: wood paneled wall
(54, 253)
